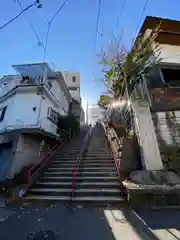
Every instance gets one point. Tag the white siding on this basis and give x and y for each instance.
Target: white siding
(25, 109)
(8, 114)
(46, 123)
(68, 77)
(168, 53)
(22, 113)
(59, 95)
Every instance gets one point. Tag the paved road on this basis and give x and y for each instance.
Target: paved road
(90, 223)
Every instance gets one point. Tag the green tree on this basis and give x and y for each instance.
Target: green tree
(122, 69)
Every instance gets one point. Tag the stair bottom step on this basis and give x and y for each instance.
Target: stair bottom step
(96, 192)
(68, 185)
(93, 199)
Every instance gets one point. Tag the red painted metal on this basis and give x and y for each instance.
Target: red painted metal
(75, 169)
(35, 168)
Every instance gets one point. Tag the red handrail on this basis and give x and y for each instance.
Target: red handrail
(44, 159)
(80, 155)
(115, 155)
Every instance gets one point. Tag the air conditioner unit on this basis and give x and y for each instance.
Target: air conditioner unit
(52, 115)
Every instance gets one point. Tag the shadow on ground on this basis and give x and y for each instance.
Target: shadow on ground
(67, 222)
(147, 222)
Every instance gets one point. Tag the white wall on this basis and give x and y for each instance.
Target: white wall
(46, 123)
(95, 113)
(168, 53)
(25, 109)
(8, 114)
(59, 94)
(68, 77)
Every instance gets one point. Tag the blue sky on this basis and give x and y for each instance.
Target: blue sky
(72, 34)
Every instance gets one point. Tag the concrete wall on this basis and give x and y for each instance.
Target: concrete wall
(26, 109)
(57, 91)
(73, 86)
(26, 154)
(145, 130)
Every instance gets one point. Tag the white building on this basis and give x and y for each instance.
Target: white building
(72, 80)
(33, 98)
(30, 103)
(95, 113)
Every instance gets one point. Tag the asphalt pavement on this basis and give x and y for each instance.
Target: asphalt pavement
(69, 222)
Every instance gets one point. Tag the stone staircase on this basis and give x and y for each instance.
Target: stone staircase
(56, 181)
(96, 179)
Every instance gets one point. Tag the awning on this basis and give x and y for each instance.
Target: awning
(35, 70)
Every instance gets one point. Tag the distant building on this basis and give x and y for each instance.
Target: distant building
(95, 113)
(72, 80)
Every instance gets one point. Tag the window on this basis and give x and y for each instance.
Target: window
(74, 79)
(2, 113)
(49, 85)
(73, 88)
(52, 115)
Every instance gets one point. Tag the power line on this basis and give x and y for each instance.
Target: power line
(120, 13)
(101, 19)
(97, 23)
(142, 14)
(37, 4)
(49, 26)
(39, 42)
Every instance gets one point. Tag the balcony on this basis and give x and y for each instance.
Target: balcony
(165, 99)
(160, 98)
(6, 87)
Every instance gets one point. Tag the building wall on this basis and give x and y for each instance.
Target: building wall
(26, 109)
(168, 53)
(73, 86)
(95, 113)
(26, 154)
(44, 122)
(57, 91)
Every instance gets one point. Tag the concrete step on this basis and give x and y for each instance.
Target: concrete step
(105, 161)
(88, 165)
(86, 199)
(79, 192)
(81, 169)
(62, 184)
(69, 173)
(74, 158)
(79, 178)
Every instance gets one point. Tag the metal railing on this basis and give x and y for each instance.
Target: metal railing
(79, 158)
(114, 144)
(33, 171)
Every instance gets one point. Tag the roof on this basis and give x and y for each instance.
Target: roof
(34, 70)
(166, 24)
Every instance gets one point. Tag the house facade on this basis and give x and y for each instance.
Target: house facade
(164, 82)
(30, 103)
